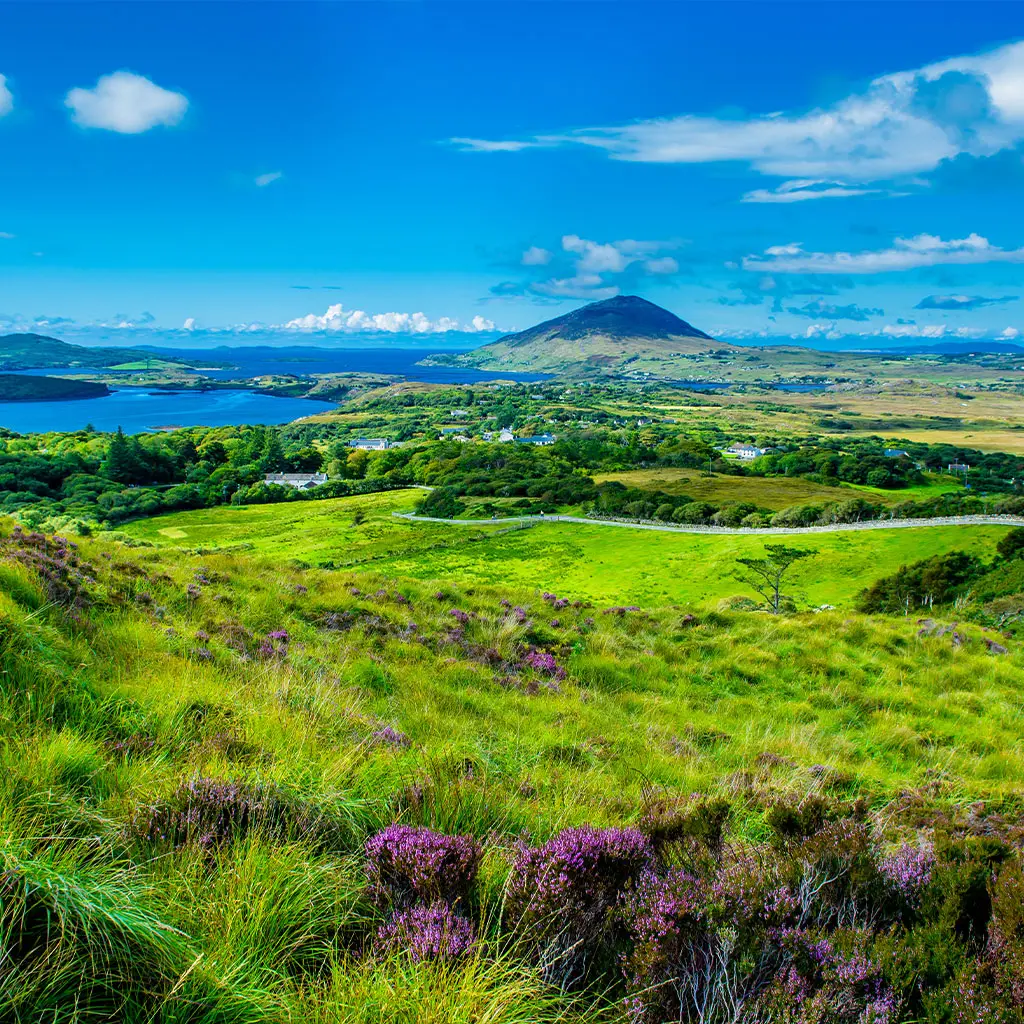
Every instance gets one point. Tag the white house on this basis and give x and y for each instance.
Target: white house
(300, 481)
(371, 444)
(745, 451)
(541, 439)
(506, 435)
(459, 414)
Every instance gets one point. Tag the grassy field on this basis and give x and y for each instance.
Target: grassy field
(599, 563)
(774, 492)
(206, 741)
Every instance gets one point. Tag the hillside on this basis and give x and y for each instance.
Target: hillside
(629, 336)
(34, 351)
(276, 794)
(17, 388)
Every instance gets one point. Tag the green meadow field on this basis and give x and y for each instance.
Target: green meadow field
(598, 563)
(774, 492)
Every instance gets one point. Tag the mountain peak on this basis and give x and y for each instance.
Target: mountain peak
(622, 317)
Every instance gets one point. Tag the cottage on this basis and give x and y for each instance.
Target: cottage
(745, 451)
(459, 414)
(300, 481)
(541, 439)
(506, 435)
(371, 444)
(894, 453)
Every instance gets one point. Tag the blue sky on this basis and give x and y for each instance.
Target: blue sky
(427, 172)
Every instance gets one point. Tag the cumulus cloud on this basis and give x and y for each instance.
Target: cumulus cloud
(962, 302)
(127, 103)
(587, 269)
(535, 256)
(263, 180)
(904, 254)
(818, 310)
(802, 189)
(6, 97)
(899, 124)
(1009, 334)
(337, 319)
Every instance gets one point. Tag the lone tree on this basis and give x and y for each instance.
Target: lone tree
(765, 574)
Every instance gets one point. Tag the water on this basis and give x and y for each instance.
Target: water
(137, 410)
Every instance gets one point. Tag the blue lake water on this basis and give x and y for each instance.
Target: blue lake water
(137, 410)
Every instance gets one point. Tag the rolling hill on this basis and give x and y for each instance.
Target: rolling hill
(33, 351)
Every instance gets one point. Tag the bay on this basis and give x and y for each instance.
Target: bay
(138, 410)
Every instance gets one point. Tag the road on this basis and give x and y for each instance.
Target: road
(775, 531)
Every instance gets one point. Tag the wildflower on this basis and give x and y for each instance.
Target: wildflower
(202, 635)
(193, 592)
(543, 662)
(434, 932)
(459, 615)
(391, 737)
(409, 863)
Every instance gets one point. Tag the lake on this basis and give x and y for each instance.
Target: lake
(136, 410)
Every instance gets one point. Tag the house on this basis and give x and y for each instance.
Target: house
(894, 453)
(506, 435)
(458, 414)
(300, 481)
(745, 451)
(371, 444)
(542, 439)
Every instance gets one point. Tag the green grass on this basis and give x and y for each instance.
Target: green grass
(772, 492)
(600, 563)
(107, 713)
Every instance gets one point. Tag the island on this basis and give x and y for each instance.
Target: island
(15, 387)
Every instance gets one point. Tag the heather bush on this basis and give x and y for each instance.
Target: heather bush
(408, 864)
(210, 812)
(561, 895)
(433, 932)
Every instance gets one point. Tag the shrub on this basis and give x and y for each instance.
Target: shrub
(433, 932)
(561, 894)
(406, 864)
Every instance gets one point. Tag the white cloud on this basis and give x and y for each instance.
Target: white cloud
(904, 254)
(802, 189)
(586, 269)
(7, 235)
(662, 265)
(6, 97)
(127, 103)
(189, 324)
(263, 180)
(535, 256)
(1009, 334)
(337, 319)
(492, 145)
(899, 124)
(596, 257)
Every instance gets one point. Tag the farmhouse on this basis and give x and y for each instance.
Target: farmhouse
(300, 481)
(745, 451)
(370, 444)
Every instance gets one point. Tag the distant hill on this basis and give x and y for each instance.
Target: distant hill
(35, 351)
(606, 336)
(17, 388)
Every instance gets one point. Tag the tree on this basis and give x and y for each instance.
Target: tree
(1012, 545)
(119, 464)
(764, 575)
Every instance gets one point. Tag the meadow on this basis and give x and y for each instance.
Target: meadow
(222, 774)
(595, 563)
(772, 492)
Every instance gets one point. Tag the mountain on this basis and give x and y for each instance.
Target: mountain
(34, 351)
(610, 337)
